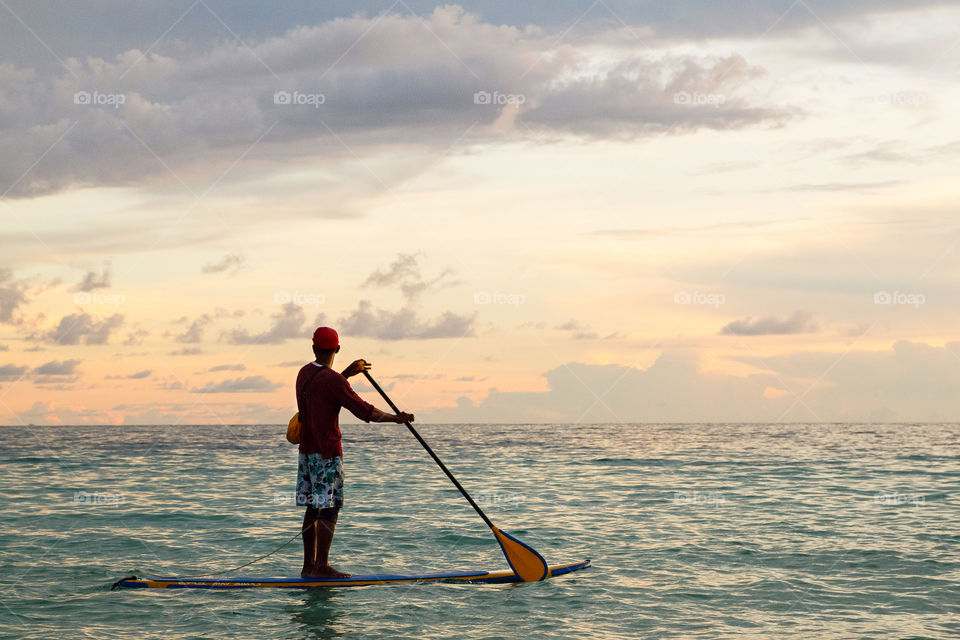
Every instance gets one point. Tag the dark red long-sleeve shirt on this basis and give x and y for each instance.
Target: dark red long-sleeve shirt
(320, 409)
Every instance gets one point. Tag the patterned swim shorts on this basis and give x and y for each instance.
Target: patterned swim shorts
(319, 481)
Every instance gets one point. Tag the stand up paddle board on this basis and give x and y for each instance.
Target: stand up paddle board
(482, 577)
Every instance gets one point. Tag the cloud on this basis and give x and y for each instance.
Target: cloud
(404, 79)
(139, 375)
(82, 327)
(580, 331)
(93, 281)
(287, 324)
(674, 388)
(57, 368)
(404, 272)
(194, 332)
(367, 322)
(249, 384)
(11, 372)
(48, 413)
(909, 382)
(799, 322)
(228, 367)
(647, 95)
(136, 337)
(11, 297)
(230, 262)
(186, 351)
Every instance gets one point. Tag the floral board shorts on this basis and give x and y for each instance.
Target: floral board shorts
(319, 481)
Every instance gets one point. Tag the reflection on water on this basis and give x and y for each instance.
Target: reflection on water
(318, 613)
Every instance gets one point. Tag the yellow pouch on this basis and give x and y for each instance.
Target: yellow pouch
(293, 429)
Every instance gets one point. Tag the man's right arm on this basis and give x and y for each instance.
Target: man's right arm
(379, 416)
(366, 411)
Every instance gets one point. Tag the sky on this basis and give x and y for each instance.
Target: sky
(598, 212)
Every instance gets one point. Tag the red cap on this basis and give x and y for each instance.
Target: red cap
(326, 338)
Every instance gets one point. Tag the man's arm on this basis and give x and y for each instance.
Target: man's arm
(379, 416)
(366, 411)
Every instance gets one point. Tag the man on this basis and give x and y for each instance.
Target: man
(321, 392)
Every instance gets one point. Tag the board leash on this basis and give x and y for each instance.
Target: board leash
(116, 585)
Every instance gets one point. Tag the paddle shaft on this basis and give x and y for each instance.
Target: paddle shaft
(432, 454)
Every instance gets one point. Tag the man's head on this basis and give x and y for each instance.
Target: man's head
(326, 343)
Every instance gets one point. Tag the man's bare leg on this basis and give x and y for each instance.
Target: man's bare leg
(309, 535)
(326, 522)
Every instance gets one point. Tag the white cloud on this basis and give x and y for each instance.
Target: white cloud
(77, 328)
(249, 384)
(367, 322)
(101, 123)
(229, 262)
(799, 322)
(287, 324)
(910, 382)
(57, 368)
(12, 296)
(93, 281)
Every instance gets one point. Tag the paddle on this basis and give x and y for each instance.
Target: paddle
(524, 560)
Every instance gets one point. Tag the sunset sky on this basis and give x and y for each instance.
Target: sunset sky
(519, 212)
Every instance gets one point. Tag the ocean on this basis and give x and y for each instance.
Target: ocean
(695, 531)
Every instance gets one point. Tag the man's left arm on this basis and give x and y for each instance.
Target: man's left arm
(359, 407)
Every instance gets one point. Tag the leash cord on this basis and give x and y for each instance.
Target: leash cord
(220, 573)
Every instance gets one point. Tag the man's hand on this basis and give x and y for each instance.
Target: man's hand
(357, 366)
(404, 417)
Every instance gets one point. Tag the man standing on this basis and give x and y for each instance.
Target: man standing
(321, 392)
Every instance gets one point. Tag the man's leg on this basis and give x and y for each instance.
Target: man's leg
(309, 535)
(326, 523)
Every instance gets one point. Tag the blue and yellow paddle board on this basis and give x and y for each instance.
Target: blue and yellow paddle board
(482, 577)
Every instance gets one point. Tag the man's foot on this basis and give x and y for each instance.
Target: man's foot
(326, 572)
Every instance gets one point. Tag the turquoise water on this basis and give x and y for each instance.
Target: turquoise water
(695, 531)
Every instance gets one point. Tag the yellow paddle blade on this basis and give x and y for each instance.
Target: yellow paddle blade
(524, 560)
